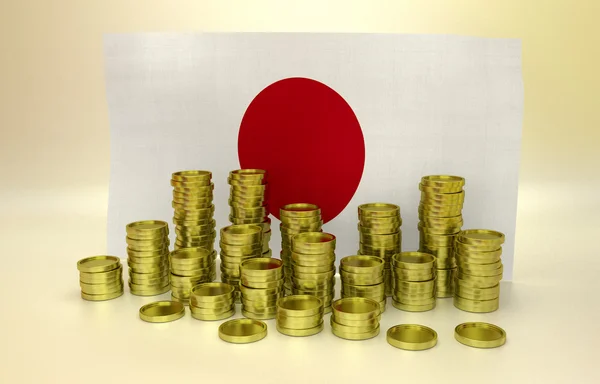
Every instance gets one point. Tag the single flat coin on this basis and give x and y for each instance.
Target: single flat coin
(412, 337)
(96, 264)
(481, 236)
(480, 335)
(242, 331)
(162, 311)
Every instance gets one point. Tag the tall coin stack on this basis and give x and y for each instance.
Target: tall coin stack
(212, 301)
(194, 209)
(190, 267)
(100, 278)
(238, 243)
(414, 281)
(362, 276)
(299, 315)
(355, 318)
(248, 201)
(380, 234)
(148, 257)
(295, 218)
(477, 284)
(261, 287)
(313, 266)
(440, 212)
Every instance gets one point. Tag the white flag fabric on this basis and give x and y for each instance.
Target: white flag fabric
(425, 105)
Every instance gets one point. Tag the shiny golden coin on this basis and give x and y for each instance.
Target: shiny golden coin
(307, 284)
(313, 243)
(256, 213)
(153, 253)
(314, 269)
(351, 329)
(481, 237)
(193, 176)
(321, 293)
(160, 281)
(378, 210)
(439, 229)
(197, 257)
(148, 292)
(191, 222)
(382, 252)
(448, 264)
(403, 299)
(259, 314)
(480, 335)
(191, 186)
(355, 308)
(304, 322)
(147, 243)
(254, 221)
(244, 234)
(375, 222)
(437, 240)
(387, 240)
(362, 264)
(263, 285)
(443, 181)
(209, 317)
(197, 196)
(240, 254)
(314, 260)
(355, 336)
(101, 289)
(101, 297)
(413, 308)
(474, 270)
(242, 331)
(299, 210)
(257, 282)
(149, 268)
(142, 277)
(212, 292)
(248, 174)
(477, 281)
(476, 306)
(299, 305)
(429, 188)
(467, 249)
(412, 337)
(262, 267)
(360, 279)
(253, 293)
(478, 293)
(300, 332)
(379, 230)
(315, 276)
(427, 210)
(214, 307)
(95, 264)
(101, 277)
(414, 261)
(147, 229)
(211, 271)
(364, 291)
(162, 311)
(479, 257)
(413, 275)
(148, 260)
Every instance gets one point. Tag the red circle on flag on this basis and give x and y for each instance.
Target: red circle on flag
(308, 139)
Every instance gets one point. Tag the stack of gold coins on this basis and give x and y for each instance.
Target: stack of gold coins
(440, 212)
(190, 267)
(100, 277)
(414, 281)
(313, 269)
(355, 318)
(380, 234)
(299, 315)
(212, 301)
(362, 276)
(261, 287)
(148, 257)
(194, 209)
(296, 218)
(248, 201)
(477, 284)
(238, 243)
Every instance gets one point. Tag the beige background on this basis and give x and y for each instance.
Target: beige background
(54, 152)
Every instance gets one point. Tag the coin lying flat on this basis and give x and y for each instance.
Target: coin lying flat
(95, 264)
(480, 335)
(242, 331)
(412, 337)
(162, 311)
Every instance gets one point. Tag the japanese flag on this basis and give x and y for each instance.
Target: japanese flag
(336, 119)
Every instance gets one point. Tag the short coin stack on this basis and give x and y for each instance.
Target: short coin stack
(299, 315)
(414, 281)
(296, 218)
(440, 212)
(477, 284)
(148, 257)
(261, 287)
(238, 243)
(194, 209)
(380, 234)
(212, 301)
(355, 318)
(100, 278)
(313, 270)
(362, 276)
(190, 267)
(248, 201)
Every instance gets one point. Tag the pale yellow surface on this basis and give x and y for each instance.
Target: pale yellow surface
(54, 161)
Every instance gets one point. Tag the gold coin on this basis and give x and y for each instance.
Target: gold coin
(467, 249)
(299, 210)
(263, 285)
(101, 297)
(157, 260)
(312, 284)
(210, 317)
(306, 322)
(480, 335)
(355, 308)
(242, 331)
(299, 332)
(313, 243)
(355, 336)
(198, 257)
(413, 308)
(148, 292)
(262, 268)
(147, 229)
(362, 264)
(439, 189)
(479, 257)
(315, 269)
(95, 264)
(443, 181)
(413, 275)
(197, 176)
(360, 279)
(481, 237)
(412, 337)
(314, 260)
(212, 292)
(162, 311)
(364, 291)
(414, 261)
(381, 240)
(254, 293)
(477, 306)
(101, 289)
(439, 210)
(478, 293)
(351, 329)
(414, 301)
(142, 254)
(437, 240)
(249, 174)
(299, 306)
(147, 243)
(241, 234)
(378, 210)
(474, 270)
(477, 281)
(439, 229)
(379, 230)
(101, 277)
